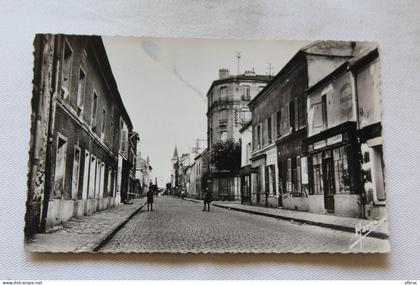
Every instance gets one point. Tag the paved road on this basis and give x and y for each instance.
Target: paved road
(178, 225)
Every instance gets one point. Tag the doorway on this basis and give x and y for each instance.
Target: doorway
(328, 181)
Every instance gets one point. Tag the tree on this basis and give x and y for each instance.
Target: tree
(226, 155)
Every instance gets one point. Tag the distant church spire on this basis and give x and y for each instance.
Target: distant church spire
(175, 153)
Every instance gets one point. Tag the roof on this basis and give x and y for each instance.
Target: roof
(241, 78)
(99, 49)
(318, 48)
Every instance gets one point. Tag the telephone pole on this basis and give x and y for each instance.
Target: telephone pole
(269, 68)
(238, 56)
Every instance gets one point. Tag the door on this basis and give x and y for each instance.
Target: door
(266, 184)
(328, 179)
(258, 183)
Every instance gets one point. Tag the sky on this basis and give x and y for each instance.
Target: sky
(163, 84)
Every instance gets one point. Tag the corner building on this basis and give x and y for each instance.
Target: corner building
(227, 112)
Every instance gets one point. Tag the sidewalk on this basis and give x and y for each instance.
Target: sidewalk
(87, 233)
(327, 221)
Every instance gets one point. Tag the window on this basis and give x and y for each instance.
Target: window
(67, 63)
(248, 152)
(81, 90)
(247, 93)
(324, 112)
(223, 119)
(223, 93)
(278, 125)
(223, 135)
(259, 138)
(270, 131)
(76, 173)
(94, 109)
(341, 171)
(60, 167)
(292, 115)
(103, 124)
(318, 183)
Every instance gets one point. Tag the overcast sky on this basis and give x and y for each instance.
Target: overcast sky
(163, 84)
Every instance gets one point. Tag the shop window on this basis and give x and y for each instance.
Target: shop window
(289, 175)
(318, 183)
(76, 173)
(341, 171)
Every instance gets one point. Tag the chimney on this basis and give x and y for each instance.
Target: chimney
(250, 72)
(223, 73)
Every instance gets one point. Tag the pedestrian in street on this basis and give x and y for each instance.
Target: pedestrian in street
(150, 199)
(207, 199)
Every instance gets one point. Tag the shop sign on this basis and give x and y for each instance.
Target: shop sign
(335, 139)
(320, 144)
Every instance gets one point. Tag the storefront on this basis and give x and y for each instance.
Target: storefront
(292, 172)
(258, 196)
(334, 171)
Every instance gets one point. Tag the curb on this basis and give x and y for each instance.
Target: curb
(99, 241)
(375, 234)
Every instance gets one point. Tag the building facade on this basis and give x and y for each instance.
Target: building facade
(279, 124)
(344, 144)
(80, 132)
(227, 112)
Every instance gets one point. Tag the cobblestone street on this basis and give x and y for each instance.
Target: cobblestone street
(180, 225)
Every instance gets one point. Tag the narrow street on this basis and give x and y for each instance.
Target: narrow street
(180, 225)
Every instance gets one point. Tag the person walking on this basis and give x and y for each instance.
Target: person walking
(207, 200)
(150, 199)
